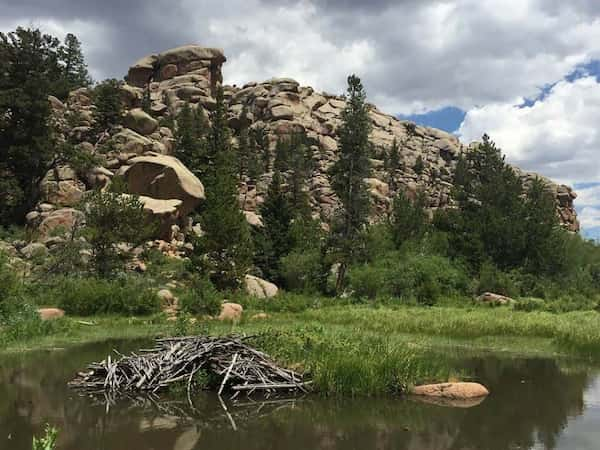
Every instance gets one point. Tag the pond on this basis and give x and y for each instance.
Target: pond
(535, 404)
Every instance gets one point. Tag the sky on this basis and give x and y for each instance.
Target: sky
(524, 71)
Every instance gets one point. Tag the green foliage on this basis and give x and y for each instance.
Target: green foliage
(408, 220)
(201, 298)
(73, 67)
(301, 271)
(89, 296)
(491, 279)
(190, 140)
(109, 105)
(419, 166)
(273, 239)
(530, 304)
(111, 219)
(147, 100)
(425, 279)
(225, 250)
(347, 179)
(30, 67)
(48, 441)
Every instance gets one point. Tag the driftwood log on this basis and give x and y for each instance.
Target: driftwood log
(237, 367)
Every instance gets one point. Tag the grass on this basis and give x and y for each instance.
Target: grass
(363, 350)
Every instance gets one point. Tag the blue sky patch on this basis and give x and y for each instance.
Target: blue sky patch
(447, 119)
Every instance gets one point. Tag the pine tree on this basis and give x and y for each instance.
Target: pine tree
(27, 144)
(74, 68)
(347, 178)
(243, 154)
(408, 220)
(274, 240)
(109, 106)
(226, 242)
(190, 140)
(419, 165)
(282, 151)
(147, 101)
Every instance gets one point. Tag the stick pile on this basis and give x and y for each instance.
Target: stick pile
(237, 366)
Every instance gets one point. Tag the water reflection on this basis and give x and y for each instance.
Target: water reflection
(534, 404)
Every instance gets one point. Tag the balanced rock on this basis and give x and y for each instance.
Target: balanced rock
(165, 178)
(259, 288)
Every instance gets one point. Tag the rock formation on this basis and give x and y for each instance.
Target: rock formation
(140, 149)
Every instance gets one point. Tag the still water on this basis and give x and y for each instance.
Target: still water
(534, 405)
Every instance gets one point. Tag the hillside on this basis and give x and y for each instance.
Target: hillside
(140, 150)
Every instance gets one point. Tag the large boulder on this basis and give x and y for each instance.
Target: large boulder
(60, 186)
(453, 391)
(164, 178)
(231, 312)
(494, 299)
(61, 220)
(257, 287)
(165, 212)
(141, 122)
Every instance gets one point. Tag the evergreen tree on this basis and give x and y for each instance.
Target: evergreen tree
(147, 101)
(225, 249)
(282, 151)
(243, 154)
(109, 106)
(274, 240)
(408, 220)
(74, 68)
(190, 140)
(347, 179)
(394, 158)
(419, 165)
(27, 144)
(301, 166)
(112, 218)
(545, 244)
(489, 223)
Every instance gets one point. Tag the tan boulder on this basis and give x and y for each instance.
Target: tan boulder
(142, 71)
(128, 141)
(165, 212)
(61, 220)
(231, 312)
(50, 313)
(253, 219)
(257, 287)
(141, 122)
(453, 391)
(494, 299)
(165, 178)
(34, 250)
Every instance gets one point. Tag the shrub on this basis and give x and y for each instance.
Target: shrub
(201, 298)
(425, 278)
(89, 296)
(302, 271)
(367, 281)
(491, 279)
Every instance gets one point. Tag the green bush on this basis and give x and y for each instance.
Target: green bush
(491, 279)
(201, 298)
(368, 281)
(302, 271)
(426, 278)
(89, 296)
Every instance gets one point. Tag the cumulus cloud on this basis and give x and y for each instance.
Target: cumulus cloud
(557, 135)
(413, 56)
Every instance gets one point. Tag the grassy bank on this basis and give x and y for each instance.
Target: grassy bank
(366, 350)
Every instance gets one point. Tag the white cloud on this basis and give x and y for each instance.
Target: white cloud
(557, 136)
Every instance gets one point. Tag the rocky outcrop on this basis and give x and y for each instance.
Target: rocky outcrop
(141, 150)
